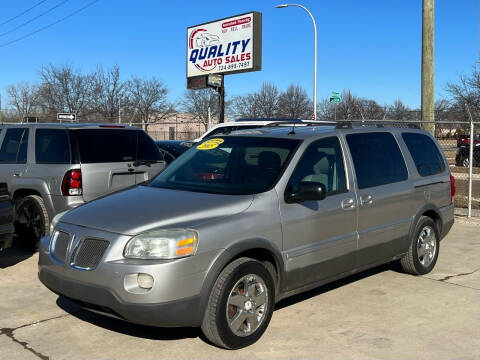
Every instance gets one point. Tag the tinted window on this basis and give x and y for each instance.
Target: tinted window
(14, 146)
(230, 165)
(425, 154)
(377, 159)
(229, 129)
(51, 146)
(321, 162)
(114, 145)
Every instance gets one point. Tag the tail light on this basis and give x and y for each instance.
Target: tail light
(452, 188)
(72, 183)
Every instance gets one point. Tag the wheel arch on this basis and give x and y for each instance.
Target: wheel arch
(258, 249)
(431, 211)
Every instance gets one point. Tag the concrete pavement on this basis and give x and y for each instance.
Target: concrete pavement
(378, 314)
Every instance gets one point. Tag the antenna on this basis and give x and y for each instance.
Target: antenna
(292, 132)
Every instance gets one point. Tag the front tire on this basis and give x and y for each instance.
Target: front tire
(240, 305)
(424, 247)
(31, 221)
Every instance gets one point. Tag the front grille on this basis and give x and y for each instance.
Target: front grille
(61, 246)
(89, 253)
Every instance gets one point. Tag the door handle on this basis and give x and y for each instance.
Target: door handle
(366, 200)
(17, 174)
(348, 203)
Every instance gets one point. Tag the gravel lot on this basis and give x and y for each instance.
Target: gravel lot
(378, 314)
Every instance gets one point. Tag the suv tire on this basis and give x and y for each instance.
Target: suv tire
(422, 254)
(228, 300)
(31, 221)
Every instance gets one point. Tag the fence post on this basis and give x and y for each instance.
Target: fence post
(470, 170)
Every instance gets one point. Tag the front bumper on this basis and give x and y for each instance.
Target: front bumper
(184, 312)
(174, 299)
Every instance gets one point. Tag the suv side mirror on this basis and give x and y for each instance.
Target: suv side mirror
(307, 191)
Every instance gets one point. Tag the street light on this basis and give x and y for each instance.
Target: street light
(315, 61)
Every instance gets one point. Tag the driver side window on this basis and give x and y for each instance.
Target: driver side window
(321, 162)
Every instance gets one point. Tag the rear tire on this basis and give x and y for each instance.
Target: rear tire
(31, 221)
(424, 247)
(240, 305)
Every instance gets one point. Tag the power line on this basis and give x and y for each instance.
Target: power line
(34, 18)
(49, 25)
(22, 13)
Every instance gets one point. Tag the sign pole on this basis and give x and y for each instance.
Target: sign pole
(221, 101)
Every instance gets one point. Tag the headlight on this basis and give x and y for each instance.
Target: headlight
(162, 244)
(55, 220)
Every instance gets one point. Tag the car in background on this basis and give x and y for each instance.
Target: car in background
(464, 140)
(51, 168)
(243, 124)
(463, 156)
(171, 149)
(6, 217)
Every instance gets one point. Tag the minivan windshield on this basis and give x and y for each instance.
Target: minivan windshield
(229, 165)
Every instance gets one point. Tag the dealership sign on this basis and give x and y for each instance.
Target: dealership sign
(225, 46)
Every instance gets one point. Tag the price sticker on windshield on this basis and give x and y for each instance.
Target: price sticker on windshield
(210, 144)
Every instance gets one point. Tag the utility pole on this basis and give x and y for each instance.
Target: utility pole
(119, 110)
(428, 88)
(1, 108)
(221, 101)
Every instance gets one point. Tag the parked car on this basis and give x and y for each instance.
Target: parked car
(50, 168)
(171, 149)
(242, 124)
(6, 217)
(463, 156)
(240, 222)
(464, 140)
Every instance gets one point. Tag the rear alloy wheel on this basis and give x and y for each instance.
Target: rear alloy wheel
(31, 221)
(240, 306)
(423, 252)
(466, 162)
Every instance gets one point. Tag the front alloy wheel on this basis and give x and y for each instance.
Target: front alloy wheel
(240, 305)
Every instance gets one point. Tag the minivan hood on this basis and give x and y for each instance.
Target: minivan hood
(144, 208)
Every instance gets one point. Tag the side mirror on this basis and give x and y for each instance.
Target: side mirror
(307, 191)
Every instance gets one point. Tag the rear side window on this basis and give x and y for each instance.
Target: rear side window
(114, 145)
(425, 154)
(51, 146)
(377, 159)
(14, 146)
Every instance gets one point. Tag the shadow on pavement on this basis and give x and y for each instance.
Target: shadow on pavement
(13, 255)
(126, 328)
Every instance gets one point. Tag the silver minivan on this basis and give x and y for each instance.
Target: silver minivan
(51, 168)
(241, 221)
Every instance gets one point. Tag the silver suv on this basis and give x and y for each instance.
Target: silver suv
(241, 221)
(51, 168)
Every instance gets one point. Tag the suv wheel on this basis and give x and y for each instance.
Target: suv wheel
(240, 304)
(423, 252)
(466, 162)
(31, 221)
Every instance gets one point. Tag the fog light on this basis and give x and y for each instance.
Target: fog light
(145, 281)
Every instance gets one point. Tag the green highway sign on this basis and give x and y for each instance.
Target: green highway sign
(335, 98)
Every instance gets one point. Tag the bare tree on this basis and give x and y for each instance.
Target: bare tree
(148, 100)
(24, 97)
(467, 93)
(197, 102)
(64, 88)
(294, 103)
(108, 92)
(266, 100)
(399, 111)
(261, 104)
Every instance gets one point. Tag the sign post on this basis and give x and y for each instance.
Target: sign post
(335, 99)
(226, 46)
(66, 117)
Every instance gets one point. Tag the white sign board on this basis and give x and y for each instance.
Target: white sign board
(230, 45)
(66, 117)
